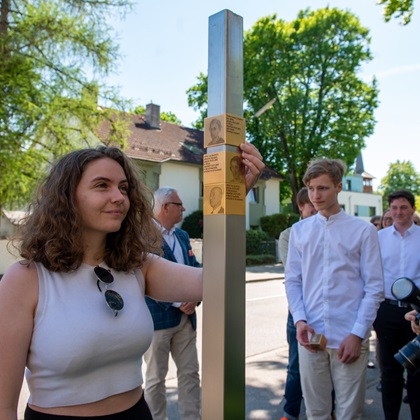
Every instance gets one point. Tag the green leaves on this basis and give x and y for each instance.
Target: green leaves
(401, 175)
(197, 98)
(399, 9)
(311, 66)
(48, 104)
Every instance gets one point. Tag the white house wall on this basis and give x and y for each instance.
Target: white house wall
(186, 179)
(349, 200)
(272, 197)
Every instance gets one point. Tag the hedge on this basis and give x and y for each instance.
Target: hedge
(276, 223)
(193, 224)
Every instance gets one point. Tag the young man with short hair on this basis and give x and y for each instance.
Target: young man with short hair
(334, 284)
(400, 246)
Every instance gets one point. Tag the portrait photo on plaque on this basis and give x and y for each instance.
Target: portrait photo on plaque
(235, 169)
(214, 199)
(213, 131)
(224, 129)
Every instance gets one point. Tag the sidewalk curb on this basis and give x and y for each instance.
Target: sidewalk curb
(261, 279)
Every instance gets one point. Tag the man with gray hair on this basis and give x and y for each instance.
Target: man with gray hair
(174, 322)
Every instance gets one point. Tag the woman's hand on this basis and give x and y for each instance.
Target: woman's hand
(253, 162)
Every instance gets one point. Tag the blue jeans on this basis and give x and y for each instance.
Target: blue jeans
(293, 391)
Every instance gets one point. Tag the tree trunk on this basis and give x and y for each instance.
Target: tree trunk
(292, 173)
(4, 16)
(295, 189)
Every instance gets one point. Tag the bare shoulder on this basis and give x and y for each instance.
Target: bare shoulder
(20, 283)
(148, 263)
(21, 270)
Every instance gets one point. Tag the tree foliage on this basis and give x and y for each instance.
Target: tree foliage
(164, 116)
(197, 98)
(193, 224)
(53, 54)
(398, 9)
(401, 175)
(310, 67)
(276, 223)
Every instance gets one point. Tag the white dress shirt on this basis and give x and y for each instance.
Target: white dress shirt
(400, 256)
(334, 277)
(173, 243)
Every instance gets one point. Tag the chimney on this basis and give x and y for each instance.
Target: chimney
(153, 115)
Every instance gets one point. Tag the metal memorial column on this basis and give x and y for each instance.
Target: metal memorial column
(223, 361)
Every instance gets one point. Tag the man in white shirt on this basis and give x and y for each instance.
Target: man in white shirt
(400, 245)
(334, 284)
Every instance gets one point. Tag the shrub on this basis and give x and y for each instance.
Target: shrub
(254, 241)
(193, 224)
(276, 223)
(260, 259)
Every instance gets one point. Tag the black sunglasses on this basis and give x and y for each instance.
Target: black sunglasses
(112, 298)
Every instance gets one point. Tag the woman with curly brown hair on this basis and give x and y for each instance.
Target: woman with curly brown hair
(73, 310)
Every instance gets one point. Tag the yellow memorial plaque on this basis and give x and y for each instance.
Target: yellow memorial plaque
(224, 183)
(224, 129)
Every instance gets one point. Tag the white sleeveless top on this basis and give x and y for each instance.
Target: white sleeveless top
(80, 352)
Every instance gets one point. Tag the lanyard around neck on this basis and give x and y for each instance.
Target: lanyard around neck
(173, 247)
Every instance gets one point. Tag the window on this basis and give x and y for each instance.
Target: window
(254, 195)
(348, 184)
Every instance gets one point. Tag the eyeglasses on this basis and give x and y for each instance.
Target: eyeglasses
(177, 204)
(112, 298)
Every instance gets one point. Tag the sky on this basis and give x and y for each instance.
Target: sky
(164, 47)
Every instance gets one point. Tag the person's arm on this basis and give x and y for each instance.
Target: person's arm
(18, 299)
(284, 245)
(411, 316)
(171, 282)
(188, 307)
(371, 273)
(373, 293)
(294, 290)
(253, 162)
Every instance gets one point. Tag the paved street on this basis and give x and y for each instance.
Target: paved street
(266, 353)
